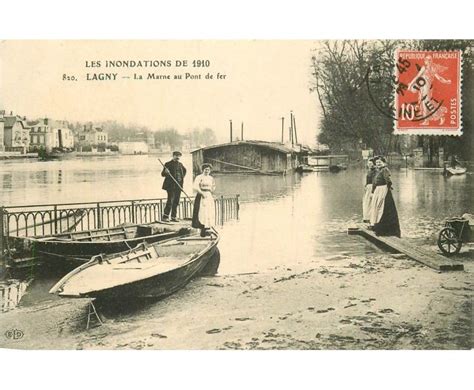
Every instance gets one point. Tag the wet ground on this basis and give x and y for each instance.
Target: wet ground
(290, 276)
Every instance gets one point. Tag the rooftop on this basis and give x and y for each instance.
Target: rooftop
(264, 144)
(10, 121)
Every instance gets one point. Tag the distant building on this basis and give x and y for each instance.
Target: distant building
(150, 140)
(186, 146)
(16, 133)
(48, 134)
(164, 148)
(91, 137)
(133, 147)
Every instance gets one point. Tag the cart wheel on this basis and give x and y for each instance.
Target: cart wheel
(448, 241)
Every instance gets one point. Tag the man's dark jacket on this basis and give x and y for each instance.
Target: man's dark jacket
(177, 170)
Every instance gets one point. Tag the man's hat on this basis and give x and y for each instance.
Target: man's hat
(177, 153)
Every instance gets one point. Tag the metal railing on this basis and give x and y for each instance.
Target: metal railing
(49, 219)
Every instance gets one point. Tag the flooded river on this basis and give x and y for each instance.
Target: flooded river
(283, 220)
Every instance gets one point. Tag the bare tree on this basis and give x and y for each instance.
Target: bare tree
(354, 84)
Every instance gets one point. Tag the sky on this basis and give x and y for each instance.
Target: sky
(264, 81)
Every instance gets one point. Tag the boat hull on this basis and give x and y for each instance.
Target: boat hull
(56, 248)
(161, 285)
(456, 171)
(84, 250)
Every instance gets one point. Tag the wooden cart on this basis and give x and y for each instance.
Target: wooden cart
(455, 233)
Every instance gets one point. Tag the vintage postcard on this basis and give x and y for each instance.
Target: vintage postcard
(244, 195)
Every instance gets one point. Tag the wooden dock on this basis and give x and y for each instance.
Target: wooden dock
(432, 260)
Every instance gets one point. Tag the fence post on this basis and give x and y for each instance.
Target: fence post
(237, 205)
(55, 219)
(99, 221)
(133, 212)
(222, 210)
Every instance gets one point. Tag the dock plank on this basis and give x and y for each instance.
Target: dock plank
(432, 260)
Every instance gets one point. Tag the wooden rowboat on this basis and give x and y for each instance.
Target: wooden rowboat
(456, 170)
(83, 245)
(147, 271)
(312, 168)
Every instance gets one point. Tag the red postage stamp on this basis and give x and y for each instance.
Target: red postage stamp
(428, 93)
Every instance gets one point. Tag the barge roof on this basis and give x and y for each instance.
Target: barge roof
(264, 144)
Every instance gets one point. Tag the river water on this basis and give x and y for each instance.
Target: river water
(283, 220)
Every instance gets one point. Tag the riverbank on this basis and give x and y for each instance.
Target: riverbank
(377, 301)
(26, 156)
(17, 156)
(21, 156)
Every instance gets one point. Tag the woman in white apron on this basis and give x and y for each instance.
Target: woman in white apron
(204, 212)
(366, 201)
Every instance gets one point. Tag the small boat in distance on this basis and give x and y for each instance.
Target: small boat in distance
(457, 170)
(146, 271)
(56, 154)
(80, 246)
(305, 168)
(337, 168)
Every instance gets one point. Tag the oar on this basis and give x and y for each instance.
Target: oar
(169, 173)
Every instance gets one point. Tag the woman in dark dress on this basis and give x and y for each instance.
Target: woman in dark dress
(384, 216)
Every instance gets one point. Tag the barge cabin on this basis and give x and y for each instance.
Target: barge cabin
(254, 157)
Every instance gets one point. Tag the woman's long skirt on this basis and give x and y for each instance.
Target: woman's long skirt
(366, 203)
(204, 212)
(197, 205)
(384, 216)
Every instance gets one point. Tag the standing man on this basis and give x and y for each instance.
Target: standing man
(173, 169)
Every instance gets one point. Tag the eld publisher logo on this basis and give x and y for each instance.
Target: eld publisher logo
(14, 334)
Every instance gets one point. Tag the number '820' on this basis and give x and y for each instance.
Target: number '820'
(201, 63)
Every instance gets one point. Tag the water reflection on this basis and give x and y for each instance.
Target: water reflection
(11, 293)
(81, 180)
(256, 188)
(309, 224)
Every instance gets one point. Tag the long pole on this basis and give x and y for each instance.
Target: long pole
(230, 130)
(169, 173)
(242, 131)
(294, 128)
(291, 127)
(282, 128)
